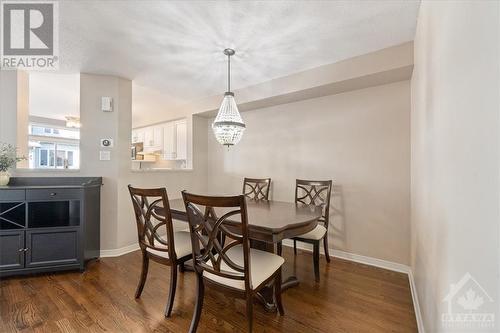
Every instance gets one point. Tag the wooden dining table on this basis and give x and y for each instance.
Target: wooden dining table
(269, 222)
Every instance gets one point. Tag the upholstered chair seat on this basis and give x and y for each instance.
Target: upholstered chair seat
(315, 234)
(263, 266)
(182, 245)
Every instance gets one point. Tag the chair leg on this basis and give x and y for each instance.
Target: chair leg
(171, 294)
(279, 248)
(250, 312)
(277, 293)
(294, 247)
(182, 268)
(144, 274)
(325, 243)
(199, 304)
(316, 260)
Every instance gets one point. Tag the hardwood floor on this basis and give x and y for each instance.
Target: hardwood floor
(351, 297)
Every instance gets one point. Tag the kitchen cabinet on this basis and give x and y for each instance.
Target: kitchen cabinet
(169, 146)
(175, 140)
(137, 135)
(181, 140)
(169, 138)
(153, 138)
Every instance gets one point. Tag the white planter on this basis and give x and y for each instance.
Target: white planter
(4, 178)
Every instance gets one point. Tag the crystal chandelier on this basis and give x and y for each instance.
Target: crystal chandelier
(228, 126)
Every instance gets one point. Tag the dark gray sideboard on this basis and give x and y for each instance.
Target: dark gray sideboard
(49, 224)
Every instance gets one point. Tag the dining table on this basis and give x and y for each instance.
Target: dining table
(269, 223)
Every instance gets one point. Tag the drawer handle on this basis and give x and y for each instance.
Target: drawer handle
(53, 194)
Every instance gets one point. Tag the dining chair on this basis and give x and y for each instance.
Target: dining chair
(233, 267)
(157, 239)
(318, 193)
(256, 189)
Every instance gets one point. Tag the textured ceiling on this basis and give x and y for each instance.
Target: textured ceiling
(176, 47)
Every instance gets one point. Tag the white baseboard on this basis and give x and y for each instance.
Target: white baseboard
(336, 253)
(121, 251)
(416, 305)
(393, 266)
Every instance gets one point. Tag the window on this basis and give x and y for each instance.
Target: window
(53, 148)
(43, 157)
(70, 158)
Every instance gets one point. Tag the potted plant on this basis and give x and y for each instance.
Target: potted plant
(8, 159)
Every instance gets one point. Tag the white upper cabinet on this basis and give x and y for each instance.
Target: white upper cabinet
(153, 138)
(181, 139)
(168, 138)
(137, 135)
(169, 147)
(175, 140)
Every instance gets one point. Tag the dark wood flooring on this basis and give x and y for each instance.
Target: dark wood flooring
(351, 297)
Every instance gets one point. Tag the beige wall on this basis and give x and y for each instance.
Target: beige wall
(117, 220)
(363, 147)
(359, 139)
(455, 154)
(8, 106)
(22, 117)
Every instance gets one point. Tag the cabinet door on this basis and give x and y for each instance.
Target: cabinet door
(181, 140)
(169, 146)
(158, 137)
(140, 135)
(11, 250)
(148, 137)
(52, 247)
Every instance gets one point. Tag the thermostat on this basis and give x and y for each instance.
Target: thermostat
(107, 143)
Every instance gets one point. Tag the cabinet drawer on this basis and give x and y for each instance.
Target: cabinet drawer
(53, 194)
(50, 247)
(12, 195)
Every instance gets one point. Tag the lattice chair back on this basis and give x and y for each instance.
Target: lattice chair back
(208, 229)
(315, 192)
(256, 189)
(148, 203)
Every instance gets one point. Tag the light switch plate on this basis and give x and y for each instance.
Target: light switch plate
(107, 104)
(105, 155)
